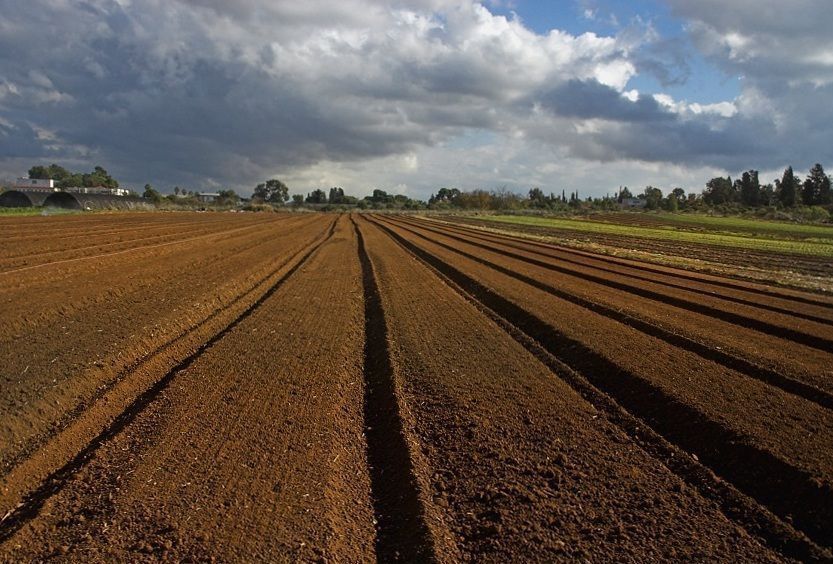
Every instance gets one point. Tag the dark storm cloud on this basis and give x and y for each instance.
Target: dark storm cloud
(592, 100)
(202, 92)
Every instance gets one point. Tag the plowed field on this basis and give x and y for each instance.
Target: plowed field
(348, 388)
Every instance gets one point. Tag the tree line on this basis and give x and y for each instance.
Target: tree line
(275, 192)
(787, 191)
(65, 179)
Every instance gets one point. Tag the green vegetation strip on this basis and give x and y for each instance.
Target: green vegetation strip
(19, 211)
(789, 230)
(815, 248)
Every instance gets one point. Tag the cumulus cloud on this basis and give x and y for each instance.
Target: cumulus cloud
(784, 54)
(227, 92)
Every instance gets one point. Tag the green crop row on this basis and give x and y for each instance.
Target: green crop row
(752, 242)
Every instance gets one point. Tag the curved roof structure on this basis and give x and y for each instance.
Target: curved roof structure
(75, 201)
(22, 198)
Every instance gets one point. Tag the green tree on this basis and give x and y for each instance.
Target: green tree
(39, 172)
(788, 189)
(718, 191)
(445, 195)
(817, 187)
(227, 198)
(99, 177)
(624, 194)
(273, 191)
(381, 197)
(653, 197)
(538, 199)
(151, 194)
(297, 199)
(676, 199)
(317, 197)
(336, 195)
(749, 188)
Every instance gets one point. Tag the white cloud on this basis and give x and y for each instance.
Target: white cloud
(220, 92)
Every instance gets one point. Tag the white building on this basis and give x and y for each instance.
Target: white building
(35, 184)
(208, 197)
(99, 190)
(630, 203)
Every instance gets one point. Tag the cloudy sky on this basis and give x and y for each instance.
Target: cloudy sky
(412, 95)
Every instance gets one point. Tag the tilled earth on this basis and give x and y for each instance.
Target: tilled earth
(277, 387)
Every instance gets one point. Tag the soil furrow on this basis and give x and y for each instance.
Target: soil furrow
(42, 401)
(711, 279)
(254, 452)
(402, 534)
(726, 257)
(123, 251)
(31, 503)
(14, 480)
(788, 491)
(790, 385)
(811, 340)
(498, 428)
(41, 255)
(792, 312)
(793, 360)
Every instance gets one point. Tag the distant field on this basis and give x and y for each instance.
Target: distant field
(799, 256)
(792, 239)
(691, 222)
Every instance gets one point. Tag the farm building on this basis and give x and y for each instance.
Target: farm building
(22, 198)
(36, 192)
(69, 200)
(632, 203)
(208, 197)
(35, 184)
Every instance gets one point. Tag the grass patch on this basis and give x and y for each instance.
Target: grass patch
(15, 212)
(23, 212)
(734, 224)
(817, 247)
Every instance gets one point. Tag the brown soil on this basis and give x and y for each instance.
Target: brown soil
(701, 405)
(805, 264)
(260, 387)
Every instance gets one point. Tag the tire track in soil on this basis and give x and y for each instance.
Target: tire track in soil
(32, 503)
(703, 292)
(402, 533)
(733, 362)
(810, 340)
(668, 429)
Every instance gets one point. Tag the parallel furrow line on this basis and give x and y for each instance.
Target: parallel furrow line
(647, 268)
(130, 250)
(771, 377)
(31, 505)
(814, 341)
(402, 533)
(654, 418)
(711, 294)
